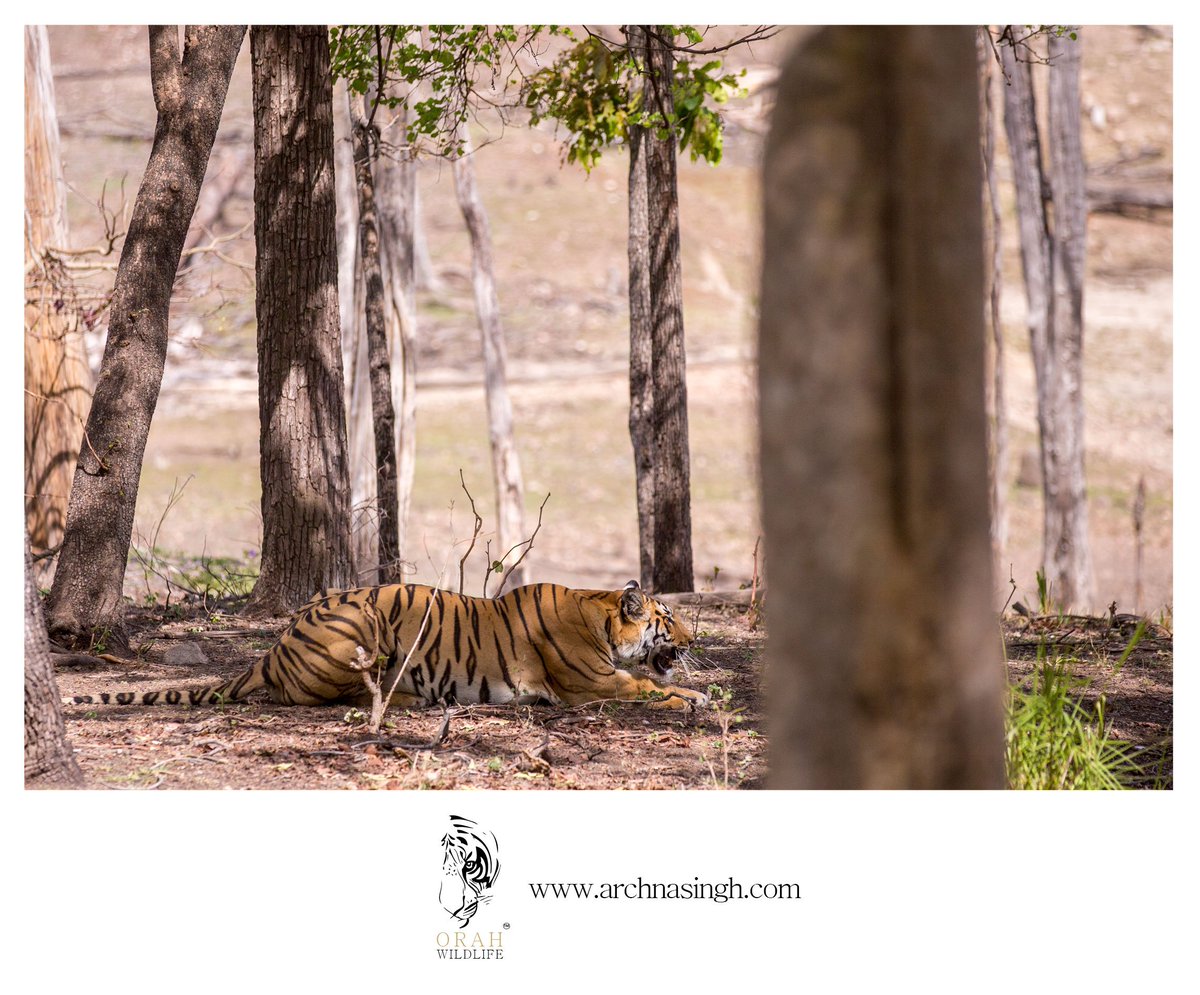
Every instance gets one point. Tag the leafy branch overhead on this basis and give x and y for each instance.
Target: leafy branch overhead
(592, 87)
(450, 62)
(593, 90)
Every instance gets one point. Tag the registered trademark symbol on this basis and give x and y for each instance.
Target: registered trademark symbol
(505, 925)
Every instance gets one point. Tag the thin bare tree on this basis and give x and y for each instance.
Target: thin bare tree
(997, 401)
(506, 466)
(364, 525)
(396, 201)
(366, 152)
(1052, 226)
(57, 378)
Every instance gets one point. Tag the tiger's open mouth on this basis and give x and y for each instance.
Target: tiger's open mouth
(662, 658)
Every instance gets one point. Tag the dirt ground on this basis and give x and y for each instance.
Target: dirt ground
(560, 250)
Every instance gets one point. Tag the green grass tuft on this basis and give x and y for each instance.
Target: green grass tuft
(1056, 741)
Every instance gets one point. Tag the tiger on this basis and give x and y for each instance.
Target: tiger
(541, 642)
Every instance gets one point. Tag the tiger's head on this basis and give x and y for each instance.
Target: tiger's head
(470, 866)
(648, 630)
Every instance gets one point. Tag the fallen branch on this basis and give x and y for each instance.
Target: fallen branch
(688, 599)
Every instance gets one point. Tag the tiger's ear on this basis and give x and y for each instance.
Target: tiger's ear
(633, 605)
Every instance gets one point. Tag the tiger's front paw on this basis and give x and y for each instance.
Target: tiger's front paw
(681, 698)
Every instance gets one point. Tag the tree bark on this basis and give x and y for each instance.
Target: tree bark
(883, 665)
(506, 467)
(396, 180)
(49, 759)
(997, 401)
(383, 417)
(189, 94)
(364, 527)
(672, 474)
(1052, 254)
(641, 350)
(305, 481)
(57, 378)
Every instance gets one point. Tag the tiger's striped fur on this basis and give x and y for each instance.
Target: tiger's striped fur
(542, 641)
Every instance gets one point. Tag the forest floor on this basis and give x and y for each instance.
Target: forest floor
(605, 745)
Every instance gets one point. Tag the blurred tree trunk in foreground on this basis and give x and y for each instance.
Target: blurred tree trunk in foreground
(57, 379)
(1052, 226)
(189, 93)
(49, 761)
(884, 662)
(302, 431)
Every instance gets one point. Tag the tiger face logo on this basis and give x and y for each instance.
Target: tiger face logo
(470, 866)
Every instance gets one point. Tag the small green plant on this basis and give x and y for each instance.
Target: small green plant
(1053, 740)
(1045, 606)
(1136, 638)
(355, 717)
(495, 765)
(100, 640)
(721, 703)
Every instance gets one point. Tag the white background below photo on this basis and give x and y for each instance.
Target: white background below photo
(936, 891)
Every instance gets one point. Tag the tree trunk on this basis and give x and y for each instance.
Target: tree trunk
(672, 475)
(396, 180)
(424, 273)
(189, 95)
(1066, 531)
(57, 378)
(506, 467)
(998, 408)
(383, 417)
(883, 665)
(641, 377)
(305, 482)
(1052, 252)
(364, 529)
(49, 760)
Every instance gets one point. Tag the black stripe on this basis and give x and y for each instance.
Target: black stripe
(563, 656)
(474, 606)
(500, 660)
(485, 694)
(502, 611)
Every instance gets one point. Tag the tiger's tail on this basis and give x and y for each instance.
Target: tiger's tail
(211, 694)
